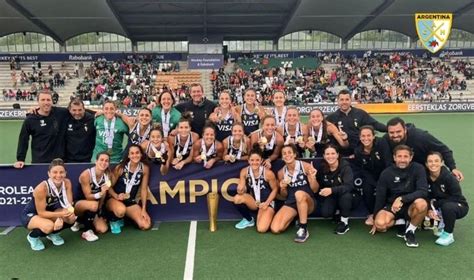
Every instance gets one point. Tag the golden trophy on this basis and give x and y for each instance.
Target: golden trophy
(212, 205)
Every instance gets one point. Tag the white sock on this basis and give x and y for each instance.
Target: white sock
(345, 220)
(400, 222)
(411, 227)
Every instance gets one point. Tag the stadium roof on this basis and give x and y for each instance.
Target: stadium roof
(193, 20)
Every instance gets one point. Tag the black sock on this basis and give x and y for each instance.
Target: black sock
(111, 216)
(304, 226)
(244, 211)
(65, 226)
(88, 220)
(37, 233)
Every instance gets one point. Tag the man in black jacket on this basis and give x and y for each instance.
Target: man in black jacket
(80, 133)
(420, 141)
(199, 107)
(402, 190)
(47, 129)
(349, 119)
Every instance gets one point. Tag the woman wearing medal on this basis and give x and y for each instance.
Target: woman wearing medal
(139, 127)
(157, 150)
(370, 160)
(224, 116)
(256, 191)
(269, 140)
(182, 143)
(208, 150)
(237, 145)
(336, 183)
(250, 112)
(51, 208)
(110, 132)
(279, 111)
(297, 186)
(166, 114)
(293, 131)
(95, 182)
(131, 176)
(322, 132)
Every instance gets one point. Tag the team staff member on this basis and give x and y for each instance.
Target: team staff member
(297, 186)
(420, 141)
(350, 119)
(50, 210)
(199, 107)
(256, 191)
(402, 190)
(336, 183)
(95, 182)
(47, 129)
(80, 133)
(370, 159)
(447, 202)
(132, 175)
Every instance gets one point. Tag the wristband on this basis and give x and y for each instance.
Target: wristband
(97, 195)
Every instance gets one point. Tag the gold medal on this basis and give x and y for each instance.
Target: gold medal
(258, 202)
(108, 183)
(203, 156)
(109, 151)
(263, 140)
(299, 139)
(126, 195)
(70, 209)
(231, 158)
(179, 157)
(311, 139)
(158, 155)
(287, 180)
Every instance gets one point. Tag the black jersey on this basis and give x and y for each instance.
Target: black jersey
(445, 188)
(128, 177)
(270, 146)
(160, 155)
(320, 141)
(340, 180)
(410, 183)
(251, 120)
(295, 137)
(184, 150)
(134, 136)
(208, 153)
(224, 127)
(53, 200)
(375, 162)
(299, 181)
(80, 138)
(95, 186)
(239, 151)
(260, 184)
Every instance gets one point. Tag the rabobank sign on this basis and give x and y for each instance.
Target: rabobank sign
(81, 57)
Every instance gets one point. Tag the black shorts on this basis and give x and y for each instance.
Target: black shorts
(129, 202)
(401, 214)
(25, 218)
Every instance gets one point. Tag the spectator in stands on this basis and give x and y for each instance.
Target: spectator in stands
(208, 150)
(420, 141)
(322, 132)
(446, 199)
(199, 107)
(165, 114)
(182, 143)
(269, 140)
(110, 131)
(237, 145)
(50, 210)
(293, 131)
(279, 109)
(256, 191)
(350, 119)
(336, 183)
(402, 190)
(224, 116)
(250, 112)
(94, 182)
(297, 186)
(80, 132)
(157, 149)
(370, 159)
(47, 130)
(131, 176)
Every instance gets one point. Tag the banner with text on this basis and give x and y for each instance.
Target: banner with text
(205, 61)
